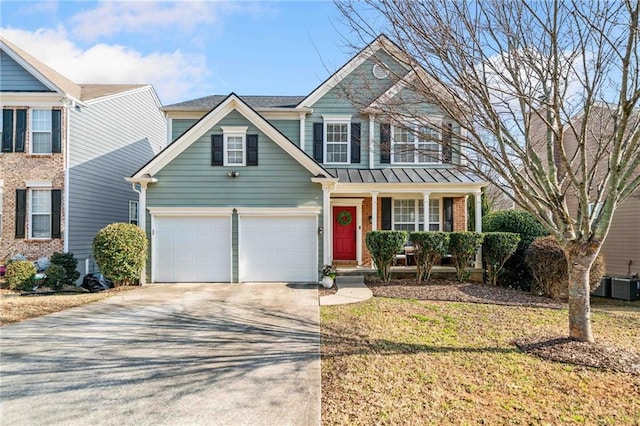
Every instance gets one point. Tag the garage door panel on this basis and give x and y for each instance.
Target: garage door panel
(277, 248)
(192, 249)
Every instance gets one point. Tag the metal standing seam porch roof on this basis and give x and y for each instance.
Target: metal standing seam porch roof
(405, 175)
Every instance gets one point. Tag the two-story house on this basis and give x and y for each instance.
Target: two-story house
(270, 188)
(65, 148)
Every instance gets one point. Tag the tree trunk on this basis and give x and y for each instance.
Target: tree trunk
(580, 256)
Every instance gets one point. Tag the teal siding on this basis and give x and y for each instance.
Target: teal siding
(14, 78)
(278, 181)
(289, 128)
(180, 125)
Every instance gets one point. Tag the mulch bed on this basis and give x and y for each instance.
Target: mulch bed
(558, 349)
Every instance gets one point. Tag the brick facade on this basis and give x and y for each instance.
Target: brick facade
(459, 214)
(15, 169)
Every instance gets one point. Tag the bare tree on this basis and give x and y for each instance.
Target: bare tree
(548, 93)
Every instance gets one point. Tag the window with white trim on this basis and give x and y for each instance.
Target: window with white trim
(1, 126)
(413, 146)
(41, 131)
(408, 215)
(133, 212)
(337, 141)
(235, 146)
(40, 213)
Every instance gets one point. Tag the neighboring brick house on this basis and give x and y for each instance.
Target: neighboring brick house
(65, 149)
(270, 188)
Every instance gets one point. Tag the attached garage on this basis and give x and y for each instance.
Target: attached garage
(276, 247)
(191, 248)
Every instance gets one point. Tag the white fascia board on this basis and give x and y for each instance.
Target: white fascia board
(190, 211)
(210, 120)
(278, 211)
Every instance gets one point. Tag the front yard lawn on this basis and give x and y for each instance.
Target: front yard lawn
(405, 361)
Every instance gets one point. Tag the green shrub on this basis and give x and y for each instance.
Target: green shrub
(429, 247)
(383, 246)
(516, 273)
(55, 277)
(70, 264)
(120, 250)
(463, 247)
(497, 248)
(20, 275)
(548, 264)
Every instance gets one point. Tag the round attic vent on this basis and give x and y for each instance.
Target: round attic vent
(380, 71)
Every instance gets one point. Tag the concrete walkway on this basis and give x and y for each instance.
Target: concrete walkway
(169, 354)
(351, 289)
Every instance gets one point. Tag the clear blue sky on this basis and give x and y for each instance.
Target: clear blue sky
(185, 49)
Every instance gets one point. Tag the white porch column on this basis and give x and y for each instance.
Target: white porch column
(302, 130)
(425, 216)
(371, 141)
(478, 211)
(374, 210)
(326, 225)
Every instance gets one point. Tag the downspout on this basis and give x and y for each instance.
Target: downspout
(68, 107)
(142, 219)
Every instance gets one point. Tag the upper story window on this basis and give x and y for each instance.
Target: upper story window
(41, 131)
(337, 141)
(235, 145)
(415, 145)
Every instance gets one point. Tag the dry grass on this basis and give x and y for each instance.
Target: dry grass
(403, 361)
(15, 308)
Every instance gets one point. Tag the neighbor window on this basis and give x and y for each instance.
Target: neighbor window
(133, 212)
(337, 141)
(408, 215)
(40, 131)
(415, 146)
(40, 216)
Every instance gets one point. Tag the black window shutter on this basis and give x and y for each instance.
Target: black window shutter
(318, 142)
(7, 130)
(448, 214)
(446, 142)
(252, 150)
(355, 142)
(21, 212)
(217, 150)
(386, 214)
(56, 130)
(385, 143)
(56, 210)
(21, 129)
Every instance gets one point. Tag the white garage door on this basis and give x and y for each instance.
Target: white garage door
(192, 249)
(278, 248)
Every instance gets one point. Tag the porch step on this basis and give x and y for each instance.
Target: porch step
(351, 289)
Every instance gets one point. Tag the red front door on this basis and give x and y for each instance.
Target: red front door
(344, 233)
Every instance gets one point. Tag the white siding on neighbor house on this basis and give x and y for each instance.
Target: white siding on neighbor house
(110, 140)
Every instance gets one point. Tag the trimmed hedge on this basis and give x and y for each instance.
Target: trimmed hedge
(497, 248)
(428, 249)
(70, 265)
(120, 250)
(56, 276)
(516, 273)
(463, 247)
(20, 275)
(548, 264)
(383, 246)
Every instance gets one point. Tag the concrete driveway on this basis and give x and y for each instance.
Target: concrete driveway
(173, 354)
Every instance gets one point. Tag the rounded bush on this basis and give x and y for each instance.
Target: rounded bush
(516, 274)
(20, 275)
(548, 264)
(120, 250)
(497, 248)
(383, 246)
(70, 264)
(463, 247)
(429, 248)
(55, 277)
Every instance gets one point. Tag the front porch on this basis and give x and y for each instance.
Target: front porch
(408, 272)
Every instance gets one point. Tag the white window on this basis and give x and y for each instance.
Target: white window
(337, 141)
(235, 146)
(415, 146)
(408, 215)
(40, 131)
(133, 212)
(40, 215)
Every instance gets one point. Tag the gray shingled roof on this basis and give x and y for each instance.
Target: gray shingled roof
(404, 175)
(209, 102)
